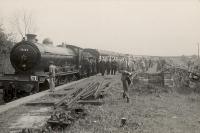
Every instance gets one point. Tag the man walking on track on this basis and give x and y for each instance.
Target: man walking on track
(52, 74)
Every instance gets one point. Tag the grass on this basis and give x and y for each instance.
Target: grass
(147, 113)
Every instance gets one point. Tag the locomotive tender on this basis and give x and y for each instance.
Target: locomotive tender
(30, 60)
(97, 54)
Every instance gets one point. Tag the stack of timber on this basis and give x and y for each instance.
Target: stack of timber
(88, 95)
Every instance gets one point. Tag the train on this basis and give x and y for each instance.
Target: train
(31, 59)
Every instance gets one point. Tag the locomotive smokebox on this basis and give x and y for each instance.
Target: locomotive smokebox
(31, 37)
(25, 55)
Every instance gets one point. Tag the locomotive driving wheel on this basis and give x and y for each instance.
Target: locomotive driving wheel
(44, 86)
(74, 77)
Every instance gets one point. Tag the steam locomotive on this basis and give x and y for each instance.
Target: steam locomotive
(31, 59)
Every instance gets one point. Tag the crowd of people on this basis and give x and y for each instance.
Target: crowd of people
(108, 66)
(111, 65)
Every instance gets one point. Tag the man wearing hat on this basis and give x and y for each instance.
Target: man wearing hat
(126, 81)
(113, 66)
(102, 66)
(52, 74)
(108, 66)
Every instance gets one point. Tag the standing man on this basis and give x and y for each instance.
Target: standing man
(97, 65)
(163, 63)
(94, 67)
(88, 67)
(52, 75)
(132, 65)
(108, 66)
(102, 66)
(124, 64)
(125, 78)
(114, 66)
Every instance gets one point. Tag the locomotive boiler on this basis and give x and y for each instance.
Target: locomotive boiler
(29, 57)
(30, 60)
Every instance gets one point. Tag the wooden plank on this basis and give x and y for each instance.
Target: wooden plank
(40, 104)
(90, 92)
(57, 94)
(98, 90)
(92, 102)
(79, 95)
(63, 99)
(60, 102)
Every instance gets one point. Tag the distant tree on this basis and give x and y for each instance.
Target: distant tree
(47, 41)
(5, 41)
(23, 23)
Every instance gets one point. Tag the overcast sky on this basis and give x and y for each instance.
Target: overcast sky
(140, 27)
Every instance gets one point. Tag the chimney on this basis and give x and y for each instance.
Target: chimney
(31, 37)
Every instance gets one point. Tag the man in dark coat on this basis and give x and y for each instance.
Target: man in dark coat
(108, 67)
(88, 67)
(94, 68)
(102, 67)
(97, 66)
(114, 66)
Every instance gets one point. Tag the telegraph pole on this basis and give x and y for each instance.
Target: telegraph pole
(198, 49)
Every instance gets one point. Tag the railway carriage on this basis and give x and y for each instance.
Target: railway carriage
(98, 54)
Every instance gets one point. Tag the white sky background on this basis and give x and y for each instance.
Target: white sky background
(140, 27)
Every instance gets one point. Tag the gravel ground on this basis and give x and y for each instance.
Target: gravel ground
(22, 117)
(153, 112)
